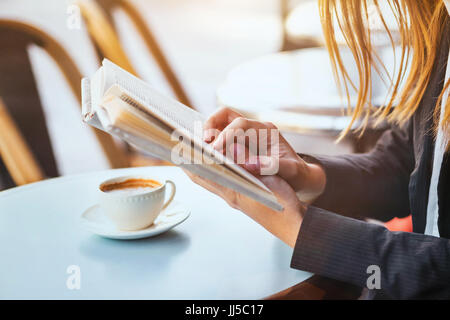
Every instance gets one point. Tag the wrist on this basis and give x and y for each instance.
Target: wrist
(313, 179)
(294, 225)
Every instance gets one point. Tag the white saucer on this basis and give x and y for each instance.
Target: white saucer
(94, 220)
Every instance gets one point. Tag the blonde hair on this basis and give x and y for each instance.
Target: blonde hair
(420, 26)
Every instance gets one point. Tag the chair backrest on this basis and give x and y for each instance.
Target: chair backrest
(97, 15)
(21, 101)
(15, 152)
(34, 35)
(290, 42)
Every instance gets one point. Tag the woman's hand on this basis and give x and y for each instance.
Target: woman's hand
(285, 225)
(228, 131)
(226, 126)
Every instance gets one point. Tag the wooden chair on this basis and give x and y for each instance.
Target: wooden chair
(15, 152)
(98, 17)
(319, 288)
(17, 157)
(301, 26)
(293, 37)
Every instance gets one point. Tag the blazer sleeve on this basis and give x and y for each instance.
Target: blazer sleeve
(411, 265)
(373, 184)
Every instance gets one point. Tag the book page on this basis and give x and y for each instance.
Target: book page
(173, 113)
(167, 109)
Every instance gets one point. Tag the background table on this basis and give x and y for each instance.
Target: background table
(218, 253)
(296, 91)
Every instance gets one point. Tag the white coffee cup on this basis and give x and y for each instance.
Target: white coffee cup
(133, 208)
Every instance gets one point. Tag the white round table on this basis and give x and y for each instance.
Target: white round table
(217, 253)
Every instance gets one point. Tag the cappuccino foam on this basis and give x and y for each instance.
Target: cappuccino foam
(130, 186)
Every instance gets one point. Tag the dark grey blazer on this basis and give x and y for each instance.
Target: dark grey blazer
(390, 181)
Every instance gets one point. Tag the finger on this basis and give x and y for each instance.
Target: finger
(288, 169)
(217, 122)
(261, 165)
(240, 154)
(240, 128)
(244, 158)
(256, 165)
(284, 193)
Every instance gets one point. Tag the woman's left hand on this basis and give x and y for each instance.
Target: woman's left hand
(285, 224)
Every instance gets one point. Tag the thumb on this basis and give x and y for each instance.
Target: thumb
(262, 165)
(284, 193)
(287, 169)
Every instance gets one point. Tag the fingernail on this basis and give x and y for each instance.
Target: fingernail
(218, 144)
(207, 136)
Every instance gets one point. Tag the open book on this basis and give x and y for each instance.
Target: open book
(126, 107)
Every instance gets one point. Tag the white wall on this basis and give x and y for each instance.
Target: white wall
(202, 38)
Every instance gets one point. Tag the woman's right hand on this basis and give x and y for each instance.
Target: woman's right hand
(307, 179)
